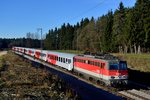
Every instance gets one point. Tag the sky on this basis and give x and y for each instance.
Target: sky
(18, 17)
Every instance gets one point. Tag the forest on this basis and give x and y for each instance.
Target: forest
(126, 30)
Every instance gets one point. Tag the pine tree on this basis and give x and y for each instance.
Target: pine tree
(118, 25)
(107, 36)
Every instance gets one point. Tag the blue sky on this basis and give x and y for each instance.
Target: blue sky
(18, 17)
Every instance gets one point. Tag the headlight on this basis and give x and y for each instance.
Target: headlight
(112, 77)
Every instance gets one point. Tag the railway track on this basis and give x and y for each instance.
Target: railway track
(135, 94)
(130, 93)
(136, 91)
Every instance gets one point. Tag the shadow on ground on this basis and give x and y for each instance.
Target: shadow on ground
(139, 77)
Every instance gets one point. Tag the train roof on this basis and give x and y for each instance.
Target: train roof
(100, 56)
(61, 54)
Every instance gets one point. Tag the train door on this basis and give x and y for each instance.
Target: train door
(100, 71)
(102, 68)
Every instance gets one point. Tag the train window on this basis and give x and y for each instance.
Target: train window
(113, 67)
(122, 65)
(59, 58)
(99, 65)
(63, 60)
(92, 63)
(88, 62)
(95, 63)
(44, 55)
(69, 61)
(84, 61)
(66, 60)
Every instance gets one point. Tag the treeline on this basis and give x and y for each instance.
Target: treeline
(126, 30)
(21, 42)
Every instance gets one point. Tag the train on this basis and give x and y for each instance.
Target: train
(101, 67)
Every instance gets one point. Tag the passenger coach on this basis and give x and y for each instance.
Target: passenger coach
(63, 60)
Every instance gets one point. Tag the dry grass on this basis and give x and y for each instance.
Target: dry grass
(70, 51)
(21, 80)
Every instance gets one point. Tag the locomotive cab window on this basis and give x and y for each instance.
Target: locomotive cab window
(113, 67)
(122, 65)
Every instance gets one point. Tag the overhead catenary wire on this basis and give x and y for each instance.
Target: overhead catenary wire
(85, 12)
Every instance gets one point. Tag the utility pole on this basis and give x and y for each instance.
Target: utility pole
(40, 29)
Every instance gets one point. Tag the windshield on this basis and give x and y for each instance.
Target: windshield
(113, 67)
(123, 66)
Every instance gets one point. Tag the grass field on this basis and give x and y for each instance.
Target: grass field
(0, 62)
(70, 51)
(139, 62)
